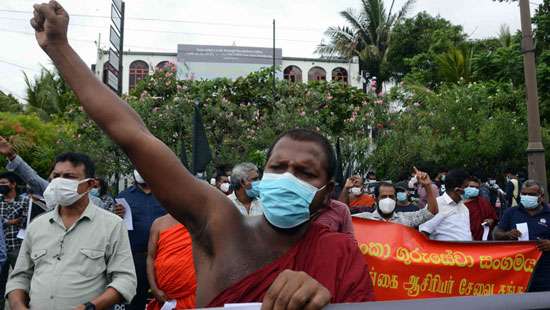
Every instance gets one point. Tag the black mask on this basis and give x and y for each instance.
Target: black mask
(4, 189)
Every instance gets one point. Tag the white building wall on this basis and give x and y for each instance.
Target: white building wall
(305, 64)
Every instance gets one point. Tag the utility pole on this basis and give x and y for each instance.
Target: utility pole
(535, 149)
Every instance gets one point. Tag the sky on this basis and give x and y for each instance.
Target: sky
(162, 24)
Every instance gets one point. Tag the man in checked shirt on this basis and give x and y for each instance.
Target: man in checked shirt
(13, 212)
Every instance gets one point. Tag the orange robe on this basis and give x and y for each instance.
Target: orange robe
(174, 268)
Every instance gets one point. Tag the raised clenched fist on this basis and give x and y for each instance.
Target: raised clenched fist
(50, 23)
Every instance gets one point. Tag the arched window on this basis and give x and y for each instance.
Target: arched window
(340, 74)
(293, 74)
(163, 64)
(317, 74)
(138, 71)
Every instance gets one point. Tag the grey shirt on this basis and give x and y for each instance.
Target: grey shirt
(62, 268)
(411, 219)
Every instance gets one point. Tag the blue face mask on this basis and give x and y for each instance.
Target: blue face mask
(401, 196)
(94, 192)
(253, 192)
(286, 199)
(471, 192)
(529, 202)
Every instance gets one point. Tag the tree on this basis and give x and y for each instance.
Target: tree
(38, 142)
(9, 103)
(367, 36)
(455, 65)
(49, 96)
(462, 125)
(421, 36)
(541, 20)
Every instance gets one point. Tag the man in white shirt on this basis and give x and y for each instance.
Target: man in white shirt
(452, 223)
(245, 195)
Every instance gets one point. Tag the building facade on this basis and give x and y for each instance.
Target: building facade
(137, 65)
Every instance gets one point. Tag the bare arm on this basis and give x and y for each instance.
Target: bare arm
(107, 299)
(18, 299)
(344, 194)
(499, 234)
(199, 204)
(151, 255)
(426, 182)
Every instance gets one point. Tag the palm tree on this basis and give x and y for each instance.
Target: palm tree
(504, 36)
(455, 65)
(367, 36)
(48, 95)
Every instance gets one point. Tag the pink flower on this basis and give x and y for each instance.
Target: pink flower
(303, 113)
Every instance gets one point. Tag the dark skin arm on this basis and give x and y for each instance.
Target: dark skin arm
(344, 194)
(18, 299)
(105, 300)
(151, 255)
(425, 181)
(199, 204)
(499, 234)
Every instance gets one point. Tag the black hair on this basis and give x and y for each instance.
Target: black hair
(383, 184)
(12, 178)
(78, 159)
(300, 134)
(103, 186)
(455, 178)
(371, 173)
(473, 179)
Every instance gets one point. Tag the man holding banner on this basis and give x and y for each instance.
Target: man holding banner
(530, 220)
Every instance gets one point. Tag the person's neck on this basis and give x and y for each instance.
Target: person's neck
(402, 204)
(75, 210)
(144, 188)
(243, 197)
(534, 211)
(280, 238)
(384, 215)
(456, 198)
(10, 196)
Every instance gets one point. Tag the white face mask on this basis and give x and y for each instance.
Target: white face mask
(63, 192)
(225, 187)
(355, 191)
(386, 205)
(138, 177)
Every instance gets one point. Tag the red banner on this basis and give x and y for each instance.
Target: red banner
(404, 264)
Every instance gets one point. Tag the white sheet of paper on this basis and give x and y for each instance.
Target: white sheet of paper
(245, 306)
(21, 234)
(524, 230)
(127, 213)
(486, 229)
(169, 305)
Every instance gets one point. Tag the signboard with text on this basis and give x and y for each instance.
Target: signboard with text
(213, 61)
(404, 264)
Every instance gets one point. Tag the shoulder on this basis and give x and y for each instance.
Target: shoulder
(331, 239)
(338, 206)
(106, 217)
(127, 192)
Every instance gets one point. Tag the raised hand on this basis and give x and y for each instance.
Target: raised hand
(6, 149)
(422, 177)
(50, 23)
